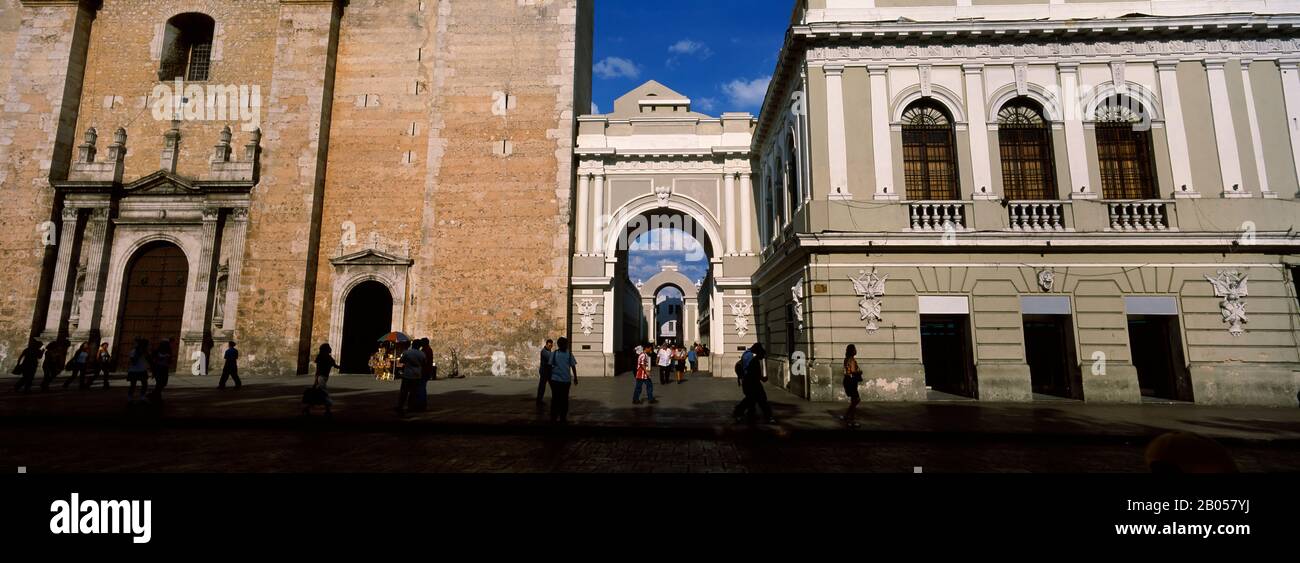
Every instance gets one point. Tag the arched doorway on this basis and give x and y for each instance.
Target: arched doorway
(662, 258)
(367, 316)
(153, 306)
(670, 318)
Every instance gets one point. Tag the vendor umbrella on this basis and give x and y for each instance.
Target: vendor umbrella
(395, 337)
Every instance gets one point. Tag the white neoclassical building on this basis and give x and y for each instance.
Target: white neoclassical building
(1021, 200)
(653, 163)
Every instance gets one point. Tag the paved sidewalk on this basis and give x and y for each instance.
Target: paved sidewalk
(697, 409)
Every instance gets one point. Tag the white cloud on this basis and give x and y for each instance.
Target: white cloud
(690, 47)
(595, 109)
(747, 93)
(707, 104)
(616, 67)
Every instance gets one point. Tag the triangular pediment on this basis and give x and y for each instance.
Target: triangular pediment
(162, 182)
(371, 257)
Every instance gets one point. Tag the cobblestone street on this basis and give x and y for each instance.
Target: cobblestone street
(492, 425)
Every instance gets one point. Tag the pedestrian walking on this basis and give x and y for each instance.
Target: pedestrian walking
(852, 378)
(693, 357)
(137, 371)
(230, 369)
(161, 363)
(28, 362)
(101, 364)
(56, 353)
(665, 364)
(750, 368)
(318, 393)
(564, 374)
(410, 366)
(420, 398)
(544, 371)
(679, 363)
(77, 366)
(643, 375)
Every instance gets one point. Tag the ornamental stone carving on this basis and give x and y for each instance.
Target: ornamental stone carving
(1230, 285)
(587, 308)
(740, 310)
(870, 287)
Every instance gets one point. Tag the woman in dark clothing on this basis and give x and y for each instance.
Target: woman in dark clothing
(28, 362)
(324, 363)
(852, 377)
(162, 364)
(137, 371)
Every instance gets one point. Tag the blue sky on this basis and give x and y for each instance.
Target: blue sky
(719, 53)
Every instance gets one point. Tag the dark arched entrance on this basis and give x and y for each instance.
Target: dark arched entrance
(153, 305)
(367, 316)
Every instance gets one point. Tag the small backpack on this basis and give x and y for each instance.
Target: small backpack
(740, 368)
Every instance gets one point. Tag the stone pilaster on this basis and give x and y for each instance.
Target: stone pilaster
(95, 249)
(238, 220)
(63, 269)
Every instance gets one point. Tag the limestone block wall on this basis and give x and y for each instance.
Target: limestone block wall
(491, 272)
(44, 59)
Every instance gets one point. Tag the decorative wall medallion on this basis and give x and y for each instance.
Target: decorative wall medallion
(587, 308)
(1046, 280)
(740, 309)
(1231, 286)
(663, 193)
(797, 293)
(870, 287)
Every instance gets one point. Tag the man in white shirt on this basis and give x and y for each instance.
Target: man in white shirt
(665, 365)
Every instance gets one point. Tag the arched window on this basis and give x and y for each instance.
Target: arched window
(929, 152)
(1124, 150)
(794, 191)
(187, 47)
(1025, 147)
(778, 202)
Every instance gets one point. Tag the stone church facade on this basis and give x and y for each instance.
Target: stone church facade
(207, 170)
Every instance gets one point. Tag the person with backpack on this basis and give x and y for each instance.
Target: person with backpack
(77, 366)
(750, 369)
(28, 362)
(693, 357)
(643, 378)
(852, 378)
(55, 354)
(564, 375)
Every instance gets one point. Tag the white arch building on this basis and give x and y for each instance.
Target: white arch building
(654, 163)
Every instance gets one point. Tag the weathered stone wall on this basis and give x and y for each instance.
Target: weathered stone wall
(445, 127)
(492, 266)
(43, 66)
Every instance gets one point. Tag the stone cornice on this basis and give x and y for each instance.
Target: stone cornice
(1072, 29)
(88, 4)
